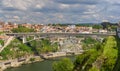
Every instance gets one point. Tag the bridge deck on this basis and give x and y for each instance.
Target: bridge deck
(60, 34)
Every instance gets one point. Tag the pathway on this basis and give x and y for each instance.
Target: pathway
(7, 43)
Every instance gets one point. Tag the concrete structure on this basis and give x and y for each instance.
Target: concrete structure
(18, 62)
(118, 32)
(36, 35)
(52, 55)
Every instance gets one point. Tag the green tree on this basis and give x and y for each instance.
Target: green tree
(2, 42)
(15, 49)
(96, 26)
(89, 40)
(80, 61)
(63, 65)
(22, 29)
(110, 54)
(94, 69)
(43, 46)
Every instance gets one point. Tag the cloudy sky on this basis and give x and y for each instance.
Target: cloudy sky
(59, 11)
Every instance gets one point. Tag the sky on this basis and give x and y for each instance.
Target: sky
(59, 11)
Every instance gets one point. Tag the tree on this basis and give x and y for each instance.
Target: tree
(63, 65)
(80, 61)
(96, 26)
(22, 29)
(110, 54)
(94, 69)
(2, 42)
(105, 25)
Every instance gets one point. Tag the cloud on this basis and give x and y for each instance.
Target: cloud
(59, 11)
(23, 4)
(88, 2)
(10, 9)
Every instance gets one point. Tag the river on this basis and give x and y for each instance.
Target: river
(45, 65)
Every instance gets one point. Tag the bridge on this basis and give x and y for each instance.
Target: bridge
(24, 35)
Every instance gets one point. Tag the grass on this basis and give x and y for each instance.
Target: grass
(110, 54)
(109, 48)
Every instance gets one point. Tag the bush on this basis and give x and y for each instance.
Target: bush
(22, 29)
(44, 46)
(63, 65)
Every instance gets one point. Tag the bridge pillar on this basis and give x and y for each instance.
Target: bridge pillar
(24, 39)
(35, 37)
(58, 39)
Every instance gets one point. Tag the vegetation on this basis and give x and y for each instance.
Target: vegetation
(2, 42)
(15, 49)
(109, 26)
(96, 26)
(84, 62)
(43, 46)
(110, 54)
(22, 29)
(85, 25)
(80, 61)
(93, 69)
(101, 57)
(1, 33)
(117, 64)
(29, 38)
(32, 59)
(89, 42)
(63, 65)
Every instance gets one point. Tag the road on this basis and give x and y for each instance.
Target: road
(59, 34)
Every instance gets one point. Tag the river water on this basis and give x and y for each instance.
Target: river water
(45, 65)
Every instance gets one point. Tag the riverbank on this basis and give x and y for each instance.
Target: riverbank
(59, 54)
(45, 65)
(18, 62)
(31, 59)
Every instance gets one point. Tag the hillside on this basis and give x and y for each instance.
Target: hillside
(104, 56)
